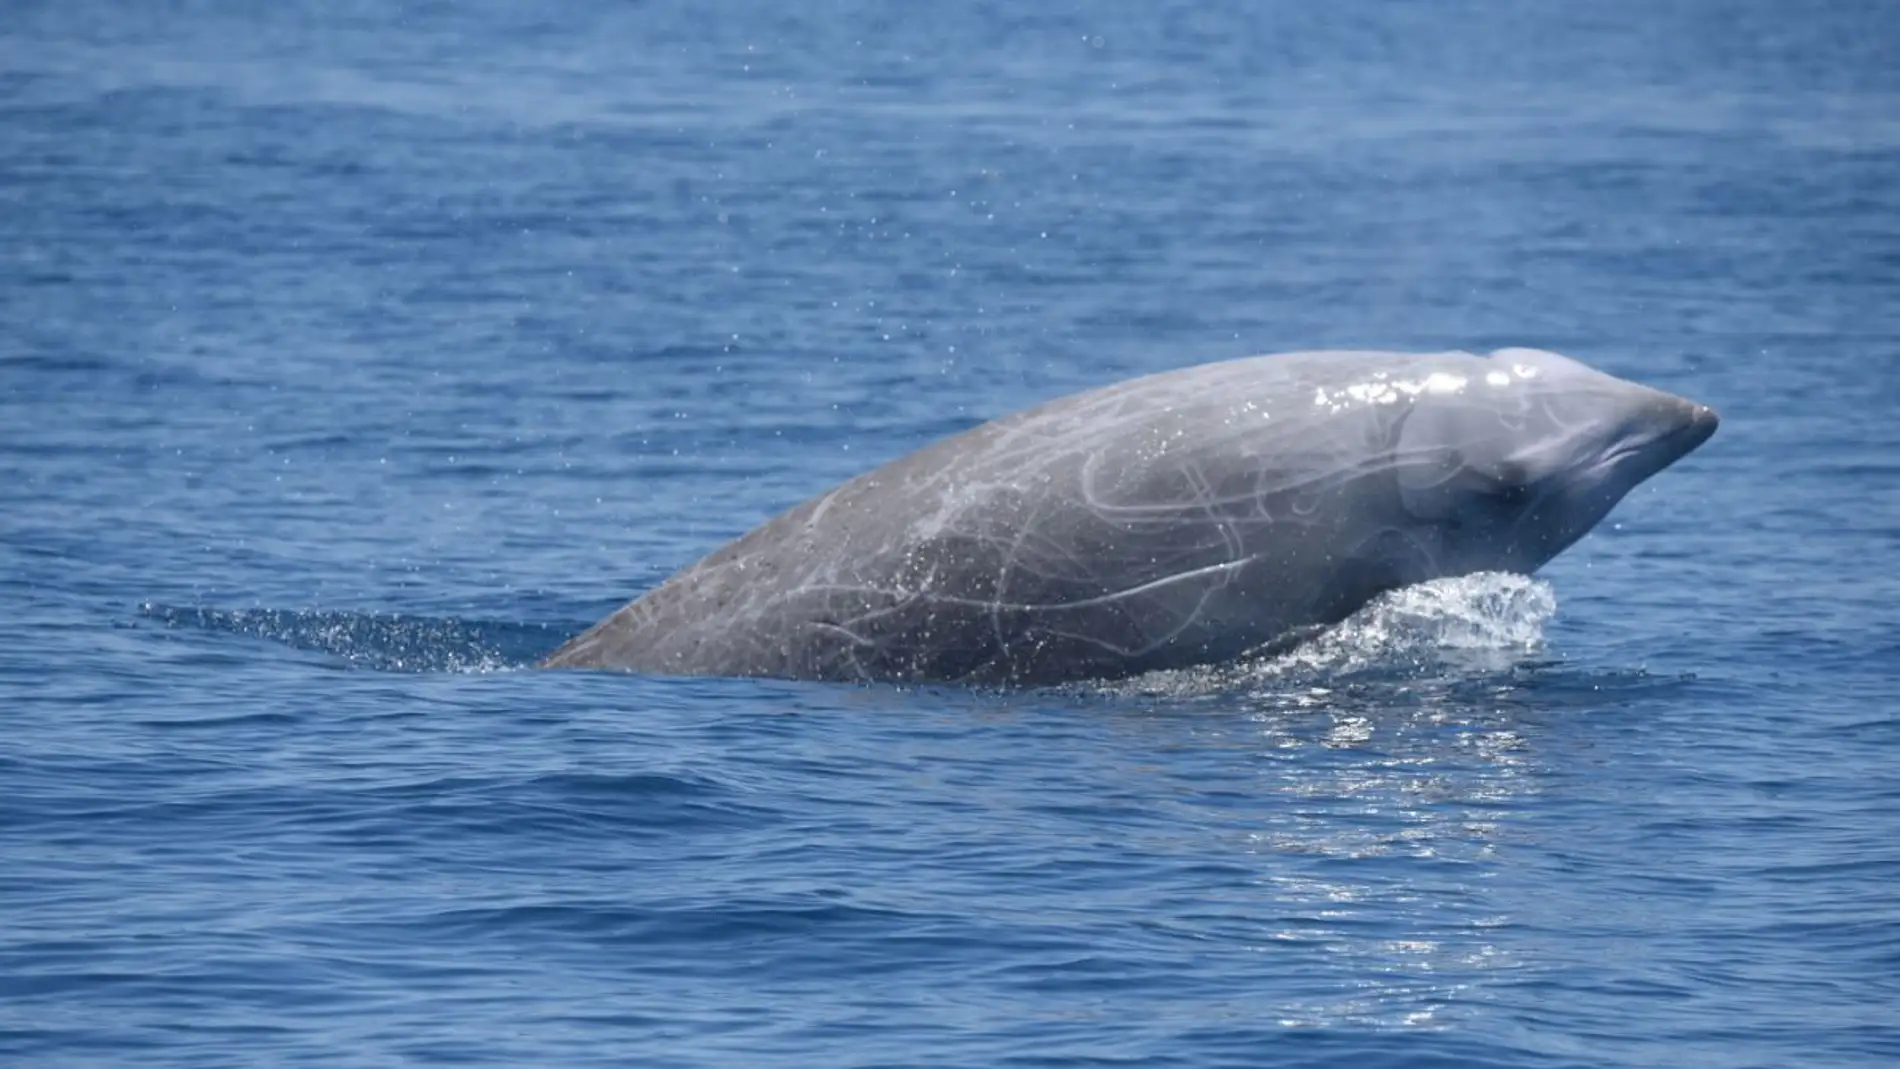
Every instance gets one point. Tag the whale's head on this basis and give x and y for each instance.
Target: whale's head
(1513, 457)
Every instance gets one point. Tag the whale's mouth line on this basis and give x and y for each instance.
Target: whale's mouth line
(1678, 441)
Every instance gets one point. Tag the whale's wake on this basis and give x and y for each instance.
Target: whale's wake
(390, 642)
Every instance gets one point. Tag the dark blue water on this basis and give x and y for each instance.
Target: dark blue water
(352, 355)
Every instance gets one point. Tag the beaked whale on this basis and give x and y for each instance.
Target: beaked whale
(1179, 519)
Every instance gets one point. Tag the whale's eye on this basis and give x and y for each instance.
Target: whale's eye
(1511, 484)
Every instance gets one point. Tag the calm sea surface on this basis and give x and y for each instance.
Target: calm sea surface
(352, 355)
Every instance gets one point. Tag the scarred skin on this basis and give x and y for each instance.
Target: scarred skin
(1179, 519)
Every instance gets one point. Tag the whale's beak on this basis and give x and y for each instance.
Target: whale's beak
(1658, 430)
(1692, 424)
(1702, 423)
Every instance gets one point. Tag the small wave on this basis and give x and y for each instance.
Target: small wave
(1472, 625)
(390, 642)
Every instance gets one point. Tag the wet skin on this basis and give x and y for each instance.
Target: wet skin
(1179, 519)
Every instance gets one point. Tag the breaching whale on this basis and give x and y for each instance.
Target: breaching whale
(1183, 518)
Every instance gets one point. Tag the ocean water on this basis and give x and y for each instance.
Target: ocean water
(353, 355)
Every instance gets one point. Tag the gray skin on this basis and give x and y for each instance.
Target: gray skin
(1180, 519)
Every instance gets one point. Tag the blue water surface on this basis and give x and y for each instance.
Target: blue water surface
(354, 354)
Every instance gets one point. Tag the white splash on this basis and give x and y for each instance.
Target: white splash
(1483, 621)
(1467, 625)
